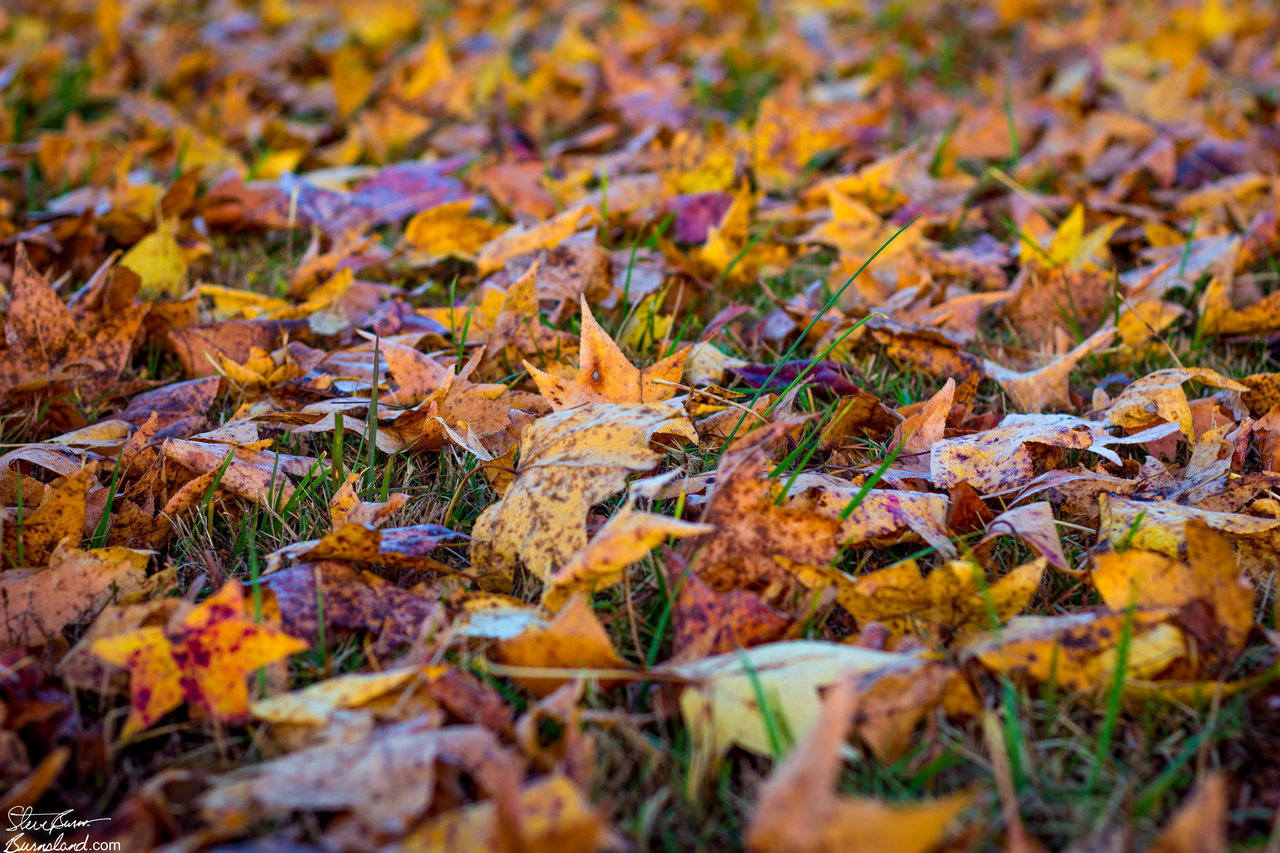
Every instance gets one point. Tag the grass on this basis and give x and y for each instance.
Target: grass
(1075, 762)
(1081, 765)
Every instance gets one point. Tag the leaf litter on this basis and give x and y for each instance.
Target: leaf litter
(681, 425)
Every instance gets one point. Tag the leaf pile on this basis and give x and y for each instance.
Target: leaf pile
(498, 425)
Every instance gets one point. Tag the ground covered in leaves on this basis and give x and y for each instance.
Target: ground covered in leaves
(593, 425)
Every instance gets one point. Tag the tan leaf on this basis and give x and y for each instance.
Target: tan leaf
(569, 462)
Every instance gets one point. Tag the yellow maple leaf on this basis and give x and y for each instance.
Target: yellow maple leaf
(569, 461)
(606, 376)
(628, 537)
(203, 660)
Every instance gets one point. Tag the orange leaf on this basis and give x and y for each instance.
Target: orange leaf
(203, 660)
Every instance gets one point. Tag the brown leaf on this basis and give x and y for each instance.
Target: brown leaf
(36, 604)
(61, 515)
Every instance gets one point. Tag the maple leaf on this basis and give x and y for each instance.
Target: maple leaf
(628, 537)
(1161, 526)
(35, 605)
(204, 660)
(882, 517)
(1215, 600)
(1159, 396)
(1079, 649)
(29, 541)
(46, 344)
(953, 600)
(748, 523)
(706, 622)
(605, 375)
(569, 461)
(346, 600)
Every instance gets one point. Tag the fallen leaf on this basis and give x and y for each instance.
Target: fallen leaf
(386, 782)
(706, 622)
(1159, 397)
(203, 660)
(627, 538)
(952, 601)
(553, 815)
(575, 640)
(346, 508)
(1034, 524)
(1161, 526)
(569, 461)
(36, 604)
(798, 809)
(722, 707)
(748, 523)
(160, 262)
(350, 600)
(1079, 650)
(605, 376)
(61, 515)
(1048, 387)
(399, 547)
(1200, 823)
(1214, 599)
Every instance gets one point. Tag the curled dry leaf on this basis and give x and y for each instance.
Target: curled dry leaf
(1079, 650)
(1047, 387)
(1161, 526)
(260, 477)
(346, 506)
(1159, 397)
(398, 547)
(1034, 524)
(923, 429)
